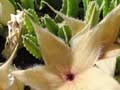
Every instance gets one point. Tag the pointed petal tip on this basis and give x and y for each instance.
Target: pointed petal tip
(17, 73)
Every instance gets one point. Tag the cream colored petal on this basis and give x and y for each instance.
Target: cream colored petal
(75, 24)
(54, 51)
(14, 84)
(92, 79)
(107, 65)
(107, 30)
(39, 78)
(85, 51)
(4, 69)
(86, 47)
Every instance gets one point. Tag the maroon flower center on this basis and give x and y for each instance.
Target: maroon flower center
(70, 77)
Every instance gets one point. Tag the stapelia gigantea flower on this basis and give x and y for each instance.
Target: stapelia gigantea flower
(71, 67)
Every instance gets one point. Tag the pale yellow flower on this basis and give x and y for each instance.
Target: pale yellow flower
(72, 67)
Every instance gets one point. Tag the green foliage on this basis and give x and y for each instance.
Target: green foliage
(54, 3)
(51, 25)
(99, 2)
(33, 13)
(94, 8)
(106, 7)
(64, 7)
(27, 4)
(14, 3)
(92, 13)
(62, 31)
(30, 42)
(85, 4)
(29, 38)
(65, 33)
(114, 3)
(68, 8)
(28, 25)
(72, 8)
(96, 15)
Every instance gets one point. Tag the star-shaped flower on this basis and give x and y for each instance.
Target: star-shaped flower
(71, 67)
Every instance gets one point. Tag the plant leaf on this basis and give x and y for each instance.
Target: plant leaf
(33, 13)
(106, 7)
(65, 33)
(28, 25)
(92, 14)
(72, 11)
(75, 24)
(51, 25)
(55, 3)
(30, 43)
(85, 4)
(64, 7)
(27, 4)
(99, 2)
